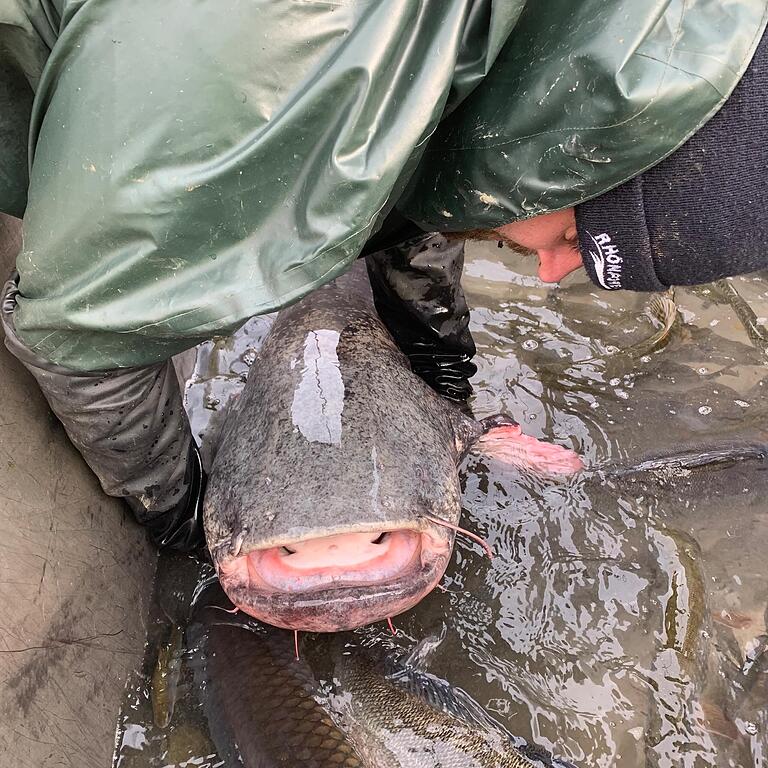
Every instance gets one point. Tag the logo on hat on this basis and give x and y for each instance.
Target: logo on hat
(607, 261)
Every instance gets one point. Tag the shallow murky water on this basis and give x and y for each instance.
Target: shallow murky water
(620, 622)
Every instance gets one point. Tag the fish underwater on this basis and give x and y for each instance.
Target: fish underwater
(724, 292)
(334, 707)
(334, 494)
(165, 676)
(663, 313)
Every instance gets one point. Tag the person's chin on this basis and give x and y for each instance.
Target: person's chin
(552, 277)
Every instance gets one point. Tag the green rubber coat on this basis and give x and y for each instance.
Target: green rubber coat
(183, 166)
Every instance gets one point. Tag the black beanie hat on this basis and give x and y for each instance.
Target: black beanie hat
(697, 216)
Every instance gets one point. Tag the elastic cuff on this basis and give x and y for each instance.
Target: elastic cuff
(614, 241)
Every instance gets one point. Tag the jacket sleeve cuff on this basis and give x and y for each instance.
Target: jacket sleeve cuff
(614, 241)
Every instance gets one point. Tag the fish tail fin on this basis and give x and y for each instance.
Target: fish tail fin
(664, 310)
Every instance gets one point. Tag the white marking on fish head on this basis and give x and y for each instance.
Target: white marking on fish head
(318, 400)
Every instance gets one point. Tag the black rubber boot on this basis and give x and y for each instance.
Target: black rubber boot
(181, 527)
(418, 295)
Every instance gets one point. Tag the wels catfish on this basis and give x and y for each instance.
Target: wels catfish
(334, 495)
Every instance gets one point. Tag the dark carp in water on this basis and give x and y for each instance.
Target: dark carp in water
(393, 726)
(334, 707)
(336, 482)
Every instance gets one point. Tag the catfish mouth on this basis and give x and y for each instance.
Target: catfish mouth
(337, 582)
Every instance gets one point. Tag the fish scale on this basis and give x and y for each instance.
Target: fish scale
(394, 728)
(260, 705)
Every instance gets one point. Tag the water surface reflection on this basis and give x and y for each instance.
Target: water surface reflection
(622, 621)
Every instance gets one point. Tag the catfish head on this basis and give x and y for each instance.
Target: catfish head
(335, 493)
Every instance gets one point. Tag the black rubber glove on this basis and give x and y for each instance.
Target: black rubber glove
(418, 295)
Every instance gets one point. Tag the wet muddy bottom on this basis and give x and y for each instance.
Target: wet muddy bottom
(622, 620)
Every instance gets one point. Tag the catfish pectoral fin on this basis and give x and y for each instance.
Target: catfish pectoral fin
(504, 440)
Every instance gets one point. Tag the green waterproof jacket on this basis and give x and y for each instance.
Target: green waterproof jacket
(183, 165)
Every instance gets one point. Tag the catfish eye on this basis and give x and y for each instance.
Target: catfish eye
(286, 551)
(379, 539)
